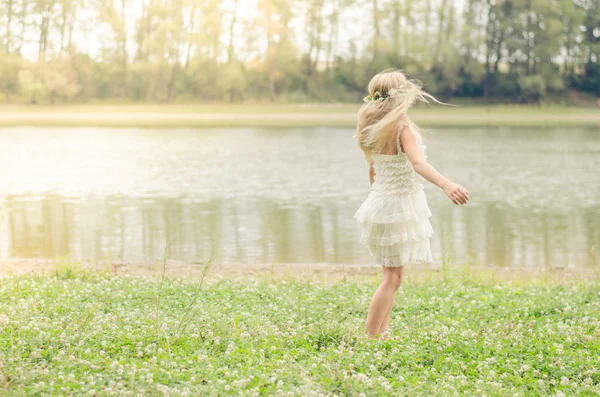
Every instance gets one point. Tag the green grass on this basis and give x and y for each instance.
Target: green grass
(83, 333)
(278, 115)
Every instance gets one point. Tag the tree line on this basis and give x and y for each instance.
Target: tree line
(60, 51)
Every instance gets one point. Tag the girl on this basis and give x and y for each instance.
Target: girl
(395, 216)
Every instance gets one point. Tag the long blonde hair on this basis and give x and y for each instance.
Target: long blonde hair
(375, 118)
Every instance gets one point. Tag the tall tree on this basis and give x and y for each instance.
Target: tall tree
(232, 31)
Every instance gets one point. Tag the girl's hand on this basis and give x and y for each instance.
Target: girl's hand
(456, 193)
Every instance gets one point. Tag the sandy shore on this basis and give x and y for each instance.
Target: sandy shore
(171, 116)
(302, 271)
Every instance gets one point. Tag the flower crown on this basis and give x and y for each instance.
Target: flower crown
(379, 97)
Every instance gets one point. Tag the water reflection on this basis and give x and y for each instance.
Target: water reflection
(273, 196)
(260, 231)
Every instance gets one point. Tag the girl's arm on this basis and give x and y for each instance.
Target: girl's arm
(455, 192)
(371, 171)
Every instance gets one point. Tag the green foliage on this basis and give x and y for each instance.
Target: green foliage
(9, 75)
(31, 87)
(590, 82)
(219, 51)
(59, 80)
(532, 87)
(505, 86)
(232, 83)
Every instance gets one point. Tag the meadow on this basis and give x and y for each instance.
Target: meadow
(81, 332)
(289, 115)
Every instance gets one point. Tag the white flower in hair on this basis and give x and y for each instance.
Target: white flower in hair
(395, 91)
(379, 97)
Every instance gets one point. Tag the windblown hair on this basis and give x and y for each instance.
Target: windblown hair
(376, 118)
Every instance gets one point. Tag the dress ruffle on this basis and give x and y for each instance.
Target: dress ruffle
(382, 208)
(396, 228)
(401, 254)
(396, 232)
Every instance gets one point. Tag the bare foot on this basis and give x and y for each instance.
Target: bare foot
(384, 335)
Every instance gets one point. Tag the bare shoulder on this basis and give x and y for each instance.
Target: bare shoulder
(410, 145)
(406, 134)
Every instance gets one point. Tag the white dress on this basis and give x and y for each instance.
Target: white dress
(394, 219)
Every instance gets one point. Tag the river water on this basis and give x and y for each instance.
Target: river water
(288, 195)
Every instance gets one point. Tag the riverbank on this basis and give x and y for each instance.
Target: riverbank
(75, 332)
(268, 115)
(306, 272)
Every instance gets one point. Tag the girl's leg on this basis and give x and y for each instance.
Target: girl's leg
(385, 325)
(386, 321)
(383, 300)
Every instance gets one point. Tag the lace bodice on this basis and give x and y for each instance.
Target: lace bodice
(394, 173)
